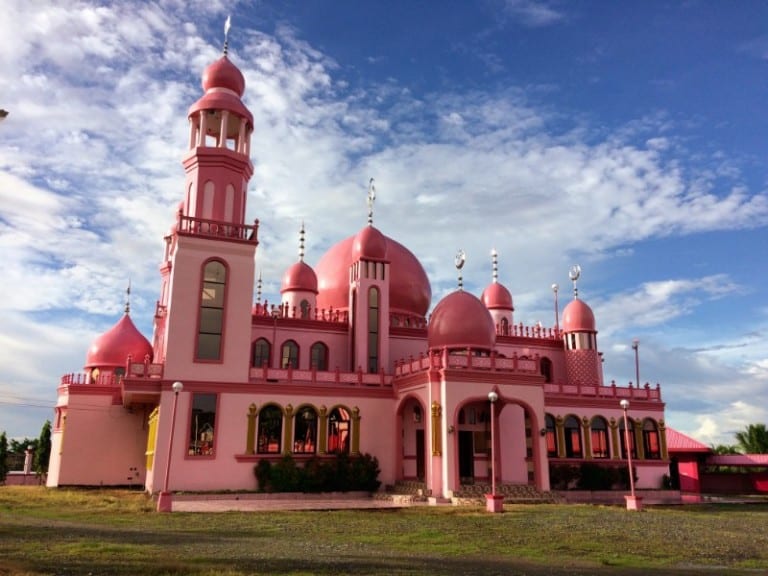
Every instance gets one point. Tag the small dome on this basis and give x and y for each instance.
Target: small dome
(460, 320)
(497, 297)
(299, 277)
(111, 349)
(369, 244)
(223, 74)
(578, 317)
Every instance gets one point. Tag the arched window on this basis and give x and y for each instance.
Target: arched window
(505, 327)
(373, 330)
(549, 422)
(623, 439)
(599, 436)
(304, 307)
(305, 431)
(338, 431)
(572, 438)
(318, 356)
(260, 353)
(289, 355)
(211, 320)
(651, 440)
(546, 369)
(270, 430)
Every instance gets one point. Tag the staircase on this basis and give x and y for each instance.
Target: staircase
(473, 494)
(404, 492)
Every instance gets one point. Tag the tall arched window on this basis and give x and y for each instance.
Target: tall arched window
(623, 439)
(549, 422)
(260, 353)
(373, 330)
(304, 307)
(211, 320)
(546, 369)
(572, 438)
(289, 355)
(305, 431)
(270, 430)
(505, 327)
(318, 356)
(651, 440)
(599, 436)
(339, 431)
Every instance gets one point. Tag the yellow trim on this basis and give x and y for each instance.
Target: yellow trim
(151, 437)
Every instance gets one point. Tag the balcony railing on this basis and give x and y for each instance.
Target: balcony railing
(283, 376)
(630, 392)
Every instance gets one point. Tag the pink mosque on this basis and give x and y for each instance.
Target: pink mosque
(350, 361)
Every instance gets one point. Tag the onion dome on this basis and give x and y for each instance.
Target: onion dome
(224, 84)
(111, 349)
(369, 244)
(299, 277)
(461, 320)
(223, 74)
(497, 297)
(409, 289)
(578, 317)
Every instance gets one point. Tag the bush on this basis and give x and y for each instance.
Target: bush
(597, 477)
(341, 473)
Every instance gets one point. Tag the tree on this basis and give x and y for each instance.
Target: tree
(724, 449)
(3, 456)
(753, 439)
(43, 451)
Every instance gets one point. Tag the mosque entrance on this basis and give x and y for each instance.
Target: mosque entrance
(466, 457)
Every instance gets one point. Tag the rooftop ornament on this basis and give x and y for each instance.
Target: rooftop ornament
(574, 274)
(459, 260)
(370, 201)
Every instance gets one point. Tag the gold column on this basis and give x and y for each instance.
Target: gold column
(586, 430)
(663, 439)
(322, 430)
(355, 431)
(615, 441)
(437, 412)
(287, 429)
(638, 429)
(151, 437)
(250, 439)
(560, 432)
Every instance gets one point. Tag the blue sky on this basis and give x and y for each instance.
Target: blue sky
(627, 137)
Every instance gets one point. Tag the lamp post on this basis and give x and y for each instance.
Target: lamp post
(164, 499)
(555, 288)
(494, 502)
(633, 502)
(636, 348)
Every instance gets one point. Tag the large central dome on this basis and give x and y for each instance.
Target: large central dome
(409, 290)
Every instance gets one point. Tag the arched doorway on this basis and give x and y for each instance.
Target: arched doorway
(414, 446)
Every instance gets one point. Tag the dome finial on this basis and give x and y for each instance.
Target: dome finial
(495, 260)
(227, 26)
(371, 198)
(301, 242)
(258, 289)
(461, 257)
(574, 274)
(128, 298)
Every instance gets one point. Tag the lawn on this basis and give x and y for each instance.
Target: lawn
(106, 532)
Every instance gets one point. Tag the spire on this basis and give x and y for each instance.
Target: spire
(227, 26)
(258, 289)
(495, 260)
(461, 257)
(301, 242)
(371, 198)
(574, 274)
(128, 298)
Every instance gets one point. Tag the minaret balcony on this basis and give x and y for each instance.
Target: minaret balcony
(219, 229)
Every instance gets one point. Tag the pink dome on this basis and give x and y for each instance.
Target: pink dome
(369, 244)
(111, 349)
(223, 74)
(301, 277)
(496, 296)
(578, 317)
(461, 320)
(409, 289)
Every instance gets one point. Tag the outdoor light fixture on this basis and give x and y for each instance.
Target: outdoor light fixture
(636, 348)
(164, 499)
(494, 502)
(633, 502)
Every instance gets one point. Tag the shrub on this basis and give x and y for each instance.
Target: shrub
(341, 473)
(597, 477)
(263, 472)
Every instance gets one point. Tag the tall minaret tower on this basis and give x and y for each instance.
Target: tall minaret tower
(203, 319)
(582, 359)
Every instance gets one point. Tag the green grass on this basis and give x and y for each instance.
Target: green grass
(109, 532)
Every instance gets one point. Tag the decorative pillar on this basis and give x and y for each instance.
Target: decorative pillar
(587, 435)
(322, 430)
(663, 439)
(287, 429)
(615, 443)
(355, 431)
(560, 431)
(437, 442)
(250, 439)
(638, 430)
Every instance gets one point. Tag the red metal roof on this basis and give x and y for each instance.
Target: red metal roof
(679, 442)
(738, 460)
